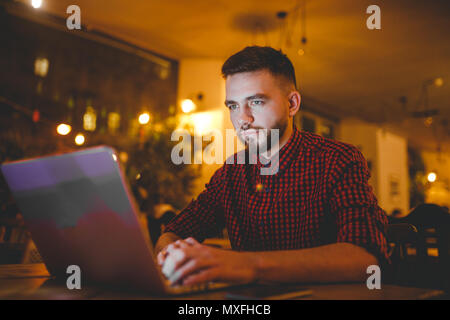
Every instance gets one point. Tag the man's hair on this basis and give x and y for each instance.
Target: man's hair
(257, 58)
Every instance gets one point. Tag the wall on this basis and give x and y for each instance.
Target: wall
(392, 175)
(203, 76)
(387, 157)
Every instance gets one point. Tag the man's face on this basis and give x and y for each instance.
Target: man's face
(256, 101)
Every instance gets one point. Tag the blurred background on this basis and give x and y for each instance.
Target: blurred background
(136, 70)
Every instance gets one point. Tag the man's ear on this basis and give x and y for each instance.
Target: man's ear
(294, 102)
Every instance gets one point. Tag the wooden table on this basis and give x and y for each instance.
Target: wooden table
(32, 281)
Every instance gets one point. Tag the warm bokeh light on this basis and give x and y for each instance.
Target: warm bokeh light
(90, 119)
(144, 118)
(158, 127)
(202, 122)
(187, 105)
(79, 139)
(63, 129)
(113, 121)
(36, 3)
(41, 67)
(300, 52)
(432, 177)
(123, 156)
(438, 82)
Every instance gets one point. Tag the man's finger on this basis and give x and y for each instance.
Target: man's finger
(171, 247)
(191, 241)
(190, 267)
(203, 276)
(161, 257)
(176, 245)
(183, 244)
(173, 261)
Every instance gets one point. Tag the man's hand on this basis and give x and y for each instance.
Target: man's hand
(162, 255)
(164, 240)
(188, 262)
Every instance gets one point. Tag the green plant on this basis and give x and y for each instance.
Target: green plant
(151, 170)
(152, 175)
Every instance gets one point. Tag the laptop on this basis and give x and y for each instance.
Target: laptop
(80, 211)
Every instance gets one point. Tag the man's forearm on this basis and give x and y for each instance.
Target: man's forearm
(164, 240)
(331, 263)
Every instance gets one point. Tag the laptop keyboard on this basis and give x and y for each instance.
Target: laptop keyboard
(179, 289)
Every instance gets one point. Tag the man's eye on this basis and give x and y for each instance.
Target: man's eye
(257, 102)
(232, 106)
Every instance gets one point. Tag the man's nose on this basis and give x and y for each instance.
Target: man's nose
(245, 116)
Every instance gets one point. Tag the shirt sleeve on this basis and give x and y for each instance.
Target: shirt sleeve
(359, 219)
(203, 217)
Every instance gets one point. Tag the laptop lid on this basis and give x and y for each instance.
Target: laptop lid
(79, 211)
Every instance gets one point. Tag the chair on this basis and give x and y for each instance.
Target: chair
(400, 235)
(401, 238)
(12, 244)
(16, 246)
(427, 260)
(31, 254)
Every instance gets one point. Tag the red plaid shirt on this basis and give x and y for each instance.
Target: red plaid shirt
(320, 195)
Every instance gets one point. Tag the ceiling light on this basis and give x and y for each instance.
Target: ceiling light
(36, 3)
(63, 129)
(438, 82)
(432, 177)
(187, 105)
(79, 139)
(144, 118)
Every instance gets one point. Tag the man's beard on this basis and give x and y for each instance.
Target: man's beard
(263, 139)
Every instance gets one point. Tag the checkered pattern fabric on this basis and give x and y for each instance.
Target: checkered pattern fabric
(320, 195)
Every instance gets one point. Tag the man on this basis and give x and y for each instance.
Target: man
(314, 220)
